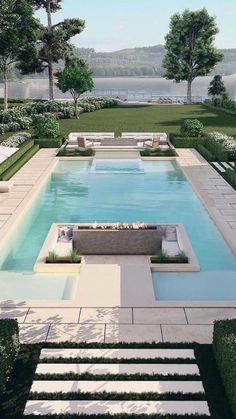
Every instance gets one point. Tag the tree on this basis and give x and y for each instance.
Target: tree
(76, 80)
(190, 47)
(54, 42)
(18, 33)
(217, 86)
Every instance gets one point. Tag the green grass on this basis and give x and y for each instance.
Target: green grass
(150, 119)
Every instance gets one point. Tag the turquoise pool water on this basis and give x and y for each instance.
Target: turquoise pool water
(155, 192)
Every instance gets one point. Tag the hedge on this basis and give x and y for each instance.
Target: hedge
(205, 153)
(230, 176)
(27, 145)
(224, 345)
(21, 162)
(48, 142)
(187, 142)
(9, 347)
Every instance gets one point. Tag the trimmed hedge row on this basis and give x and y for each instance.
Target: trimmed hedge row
(230, 177)
(49, 142)
(20, 163)
(27, 145)
(9, 347)
(224, 345)
(216, 150)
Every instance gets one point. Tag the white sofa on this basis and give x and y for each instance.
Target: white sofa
(148, 137)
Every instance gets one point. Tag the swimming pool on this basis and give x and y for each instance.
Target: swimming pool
(118, 191)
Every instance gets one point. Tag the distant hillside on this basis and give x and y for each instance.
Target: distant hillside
(145, 61)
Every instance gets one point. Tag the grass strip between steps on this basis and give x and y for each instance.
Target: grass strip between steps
(79, 395)
(116, 377)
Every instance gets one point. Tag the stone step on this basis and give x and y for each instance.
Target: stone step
(99, 369)
(89, 407)
(66, 386)
(117, 353)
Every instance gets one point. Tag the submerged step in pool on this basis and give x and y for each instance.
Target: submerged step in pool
(107, 191)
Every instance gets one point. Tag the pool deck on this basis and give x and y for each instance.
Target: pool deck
(115, 298)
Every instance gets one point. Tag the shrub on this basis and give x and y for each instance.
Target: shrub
(223, 102)
(224, 146)
(224, 345)
(9, 347)
(16, 140)
(27, 145)
(48, 142)
(46, 128)
(192, 128)
(19, 163)
(162, 257)
(205, 153)
(187, 142)
(230, 177)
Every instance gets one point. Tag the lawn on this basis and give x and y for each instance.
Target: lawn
(150, 119)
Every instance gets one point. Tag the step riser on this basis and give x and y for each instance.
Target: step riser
(99, 369)
(118, 353)
(115, 407)
(159, 387)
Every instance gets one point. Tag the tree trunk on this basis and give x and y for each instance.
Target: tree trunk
(5, 81)
(51, 81)
(50, 64)
(76, 108)
(189, 92)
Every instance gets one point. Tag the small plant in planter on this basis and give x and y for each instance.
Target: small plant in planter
(182, 257)
(162, 257)
(74, 256)
(52, 257)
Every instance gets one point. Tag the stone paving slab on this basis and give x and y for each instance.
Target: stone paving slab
(132, 333)
(41, 407)
(160, 387)
(188, 333)
(76, 333)
(53, 315)
(209, 315)
(106, 315)
(117, 353)
(14, 313)
(159, 316)
(33, 333)
(99, 369)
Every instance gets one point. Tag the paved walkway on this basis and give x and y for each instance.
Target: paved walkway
(26, 181)
(216, 194)
(129, 324)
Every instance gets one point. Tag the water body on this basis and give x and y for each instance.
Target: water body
(135, 87)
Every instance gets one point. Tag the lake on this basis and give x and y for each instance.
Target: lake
(125, 87)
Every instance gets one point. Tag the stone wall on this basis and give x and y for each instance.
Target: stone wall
(117, 242)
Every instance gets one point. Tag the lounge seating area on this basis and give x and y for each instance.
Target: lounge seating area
(107, 140)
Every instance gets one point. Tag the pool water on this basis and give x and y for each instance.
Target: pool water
(118, 191)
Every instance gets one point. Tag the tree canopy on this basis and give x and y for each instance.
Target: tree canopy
(76, 80)
(53, 42)
(190, 50)
(217, 86)
(18, 33)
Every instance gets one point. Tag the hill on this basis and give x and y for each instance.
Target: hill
(144, 61)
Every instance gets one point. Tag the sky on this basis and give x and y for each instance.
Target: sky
(116, 24)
